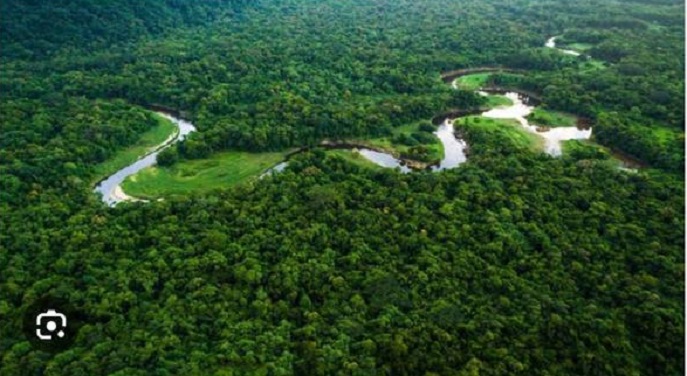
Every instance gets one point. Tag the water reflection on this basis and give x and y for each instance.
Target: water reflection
(454, 148)
(383, 159)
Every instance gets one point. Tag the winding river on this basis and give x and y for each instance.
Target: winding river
(551, 43)
(454, 147)
(111, 189)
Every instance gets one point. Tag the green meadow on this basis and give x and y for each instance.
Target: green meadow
(221, 170)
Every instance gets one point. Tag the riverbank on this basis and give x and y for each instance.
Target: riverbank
(550, 118)
(413, 143)
(450, 76)
(377, 146)
(150, 141)
(221, 170)
(110, 189)
(551, 43)
(506, 116)
(354, 157)
(506, 131)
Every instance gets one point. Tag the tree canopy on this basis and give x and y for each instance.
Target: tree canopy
(514, 263)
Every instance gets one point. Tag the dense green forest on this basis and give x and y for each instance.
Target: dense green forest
(514, 263)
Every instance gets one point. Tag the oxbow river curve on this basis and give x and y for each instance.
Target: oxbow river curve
(110, 188)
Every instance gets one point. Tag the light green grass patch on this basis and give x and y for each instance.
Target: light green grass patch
(473, 81)
(494, 101)
(581, 47)
(551, 118)
(221, 170)
(592, 65)
(145, 144)
(353, 157)
(503, 129)
(407, 128)
(664, 135)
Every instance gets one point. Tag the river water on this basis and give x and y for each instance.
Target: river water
(454, 147)
(377, 157)
(279, 167)
(110, 188)
(383, 159)
(551, 43)
(552, 136)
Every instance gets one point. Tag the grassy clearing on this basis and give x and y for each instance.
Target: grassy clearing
(473, 81)
(148, 141)
(592, 65)
(498, 101)
(581, 47)
(219, 171)
(353, 157)
(499, 130)
(551, 118)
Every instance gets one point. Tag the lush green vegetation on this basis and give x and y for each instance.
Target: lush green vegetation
(498, 101)
(146, 143)
(592, 65)
(628, 80)
(542, 116)
(515, 263)
(414, 141)
(221, 170)
(352, 156)
(584, 149)
(33, 29)
(478, 80)
(473, 81)
(579, 46)
(509, 133)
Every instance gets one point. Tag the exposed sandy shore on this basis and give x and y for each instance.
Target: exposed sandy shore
(118, 195)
